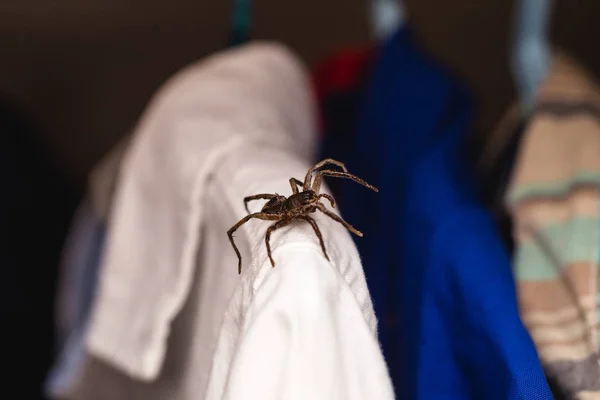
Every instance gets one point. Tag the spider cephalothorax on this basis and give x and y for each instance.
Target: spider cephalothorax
(299, 205)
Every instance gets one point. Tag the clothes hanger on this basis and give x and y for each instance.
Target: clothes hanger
(386, 17)
(530, 63)
(531, 53)
(240, 22)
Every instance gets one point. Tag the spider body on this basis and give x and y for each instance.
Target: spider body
(289, 206)
(283, 210)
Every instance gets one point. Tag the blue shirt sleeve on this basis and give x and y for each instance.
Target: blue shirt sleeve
(472, 342)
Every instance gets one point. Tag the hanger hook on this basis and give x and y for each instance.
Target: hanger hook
(531, 48)
(386, 17)
(241, 22)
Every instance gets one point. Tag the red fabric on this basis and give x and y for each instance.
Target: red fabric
(340, 72)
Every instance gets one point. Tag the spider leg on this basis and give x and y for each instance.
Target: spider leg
(335, 174)
(314, 225)
(263, 216)
(320, 165)
(271, 229)
(328, 197)
(295, 184)
(335, 217)
(265, 196)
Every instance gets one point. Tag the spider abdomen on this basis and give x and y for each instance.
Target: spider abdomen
(277, 205)
(301, 199)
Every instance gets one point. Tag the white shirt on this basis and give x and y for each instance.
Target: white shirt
(173, 319)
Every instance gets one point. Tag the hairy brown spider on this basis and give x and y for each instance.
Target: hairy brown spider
(286, 209)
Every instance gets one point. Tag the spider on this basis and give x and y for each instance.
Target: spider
(299, 205)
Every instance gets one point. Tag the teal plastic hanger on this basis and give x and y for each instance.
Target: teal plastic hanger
(241, 22)
(531, 55)
(386, 17)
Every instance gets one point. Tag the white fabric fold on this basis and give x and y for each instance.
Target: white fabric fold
(306, 328)
(250, 94)
(102, 180)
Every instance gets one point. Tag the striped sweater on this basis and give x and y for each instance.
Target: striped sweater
(553, 198)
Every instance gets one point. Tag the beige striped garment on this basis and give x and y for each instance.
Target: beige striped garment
(553, 198)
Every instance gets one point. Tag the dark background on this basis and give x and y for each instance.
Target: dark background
(86, 68)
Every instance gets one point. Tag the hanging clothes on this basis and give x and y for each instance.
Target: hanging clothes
(554, 199)
(440, 277)
(172, 318)
(340, 73)
(80, 265)
(75, 294)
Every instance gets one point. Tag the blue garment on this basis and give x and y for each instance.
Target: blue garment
(84, 250)
(439, 275)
